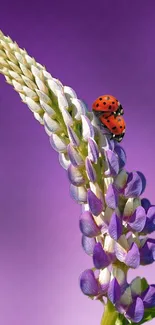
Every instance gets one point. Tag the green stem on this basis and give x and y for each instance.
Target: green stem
(110, 315)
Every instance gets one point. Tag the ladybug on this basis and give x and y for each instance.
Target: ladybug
(107, 105)
(115, 124)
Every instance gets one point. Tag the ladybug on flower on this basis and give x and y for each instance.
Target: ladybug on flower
(109, 111)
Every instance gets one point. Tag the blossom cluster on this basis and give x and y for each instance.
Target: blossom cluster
(114, 221)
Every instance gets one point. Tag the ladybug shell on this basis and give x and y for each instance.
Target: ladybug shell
(106, 103)
(115, 124)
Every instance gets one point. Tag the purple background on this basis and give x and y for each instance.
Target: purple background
(104, 47)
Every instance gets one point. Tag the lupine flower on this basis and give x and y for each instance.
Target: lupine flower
(114, 221)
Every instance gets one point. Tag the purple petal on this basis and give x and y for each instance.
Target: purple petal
(64, 160)
(88, 245)
(88, 226)
(122, 156)
(75, 176)
(113, 162)
(89, 284)
(133, 257)
(115, 227)
(147, 252)
(79, 108)
(90, 170)
(95, 204)
(148, 297)
(133, 186)
(93, 152)
(150, 221)
(143, 179)
(58, 143)
(111, 197)
(51, 124)
(74, 156)
(151, 212)
(100, 258)
(145, 203)
(135, 311)
(120, 252)
(73, 137)
(79, 193)
(114, 291)
(138, 219)
(87, 128)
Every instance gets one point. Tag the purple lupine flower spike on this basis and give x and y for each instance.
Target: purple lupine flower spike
(115, 221)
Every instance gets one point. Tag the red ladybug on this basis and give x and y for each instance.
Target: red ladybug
(115, 124)
(106, 105)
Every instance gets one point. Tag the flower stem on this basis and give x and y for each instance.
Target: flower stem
(110, 314)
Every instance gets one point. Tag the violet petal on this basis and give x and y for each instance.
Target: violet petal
(58, 143)
(93, 152)
(120, 252)
(147, 252)
(79, 193)
(135, 311)
(133, 257)
(74, 156)
(114, 291)
(148, 297)
(138, 219)
(95, 204)
(100, 258)
(111, 197)
(145, 203)
(79, 108)
(73, 137)
(89, 284)
(88, 226)
(75, 176)
(88, 245)
(64, 160)
(134, 185)
(87, 128)
(115, 227)
(113, 162)
(91, 173)
(122, 156)
(150, 221)
(143, 179)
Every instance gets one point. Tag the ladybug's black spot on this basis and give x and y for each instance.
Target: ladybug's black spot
(109, 106)
(97, 105)
(114, 128)
(108, 121)
(100, 98)
(108, 97)
(120, 127)
(113, 102)
(104, 103)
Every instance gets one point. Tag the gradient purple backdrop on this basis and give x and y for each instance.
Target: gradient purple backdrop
(96, 48)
